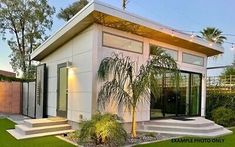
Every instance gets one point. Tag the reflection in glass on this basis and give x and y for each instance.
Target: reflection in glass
(195, 94)
(192, 59)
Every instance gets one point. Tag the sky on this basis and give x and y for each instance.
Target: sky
(192, 15)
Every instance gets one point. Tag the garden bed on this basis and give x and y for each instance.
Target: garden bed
(140, 139)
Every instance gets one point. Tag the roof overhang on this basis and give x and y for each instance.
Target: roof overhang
(98, 12)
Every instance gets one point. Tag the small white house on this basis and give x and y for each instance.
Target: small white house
(73, 54)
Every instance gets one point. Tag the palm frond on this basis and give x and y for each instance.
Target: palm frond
(113, 92)
(160, 64)
(116, 67)
(213, 34)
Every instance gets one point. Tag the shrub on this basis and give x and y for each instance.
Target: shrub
(223, 116)
(219, 99)
(102, 129)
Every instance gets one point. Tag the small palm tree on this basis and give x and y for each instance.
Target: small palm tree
(213, 35)
(124, 87)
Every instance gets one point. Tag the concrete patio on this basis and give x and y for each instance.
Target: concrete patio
(190, 126)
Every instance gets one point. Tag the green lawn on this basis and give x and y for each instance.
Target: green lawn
(229, 141)
(6, 140)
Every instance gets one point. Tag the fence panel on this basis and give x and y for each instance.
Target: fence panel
(31, 92)
(221, 83)
(10, 97)
(25, 98)
(29, 99)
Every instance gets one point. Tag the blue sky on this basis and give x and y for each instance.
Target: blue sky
(181, 14)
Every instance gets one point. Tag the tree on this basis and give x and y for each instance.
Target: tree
(24, 24)
(124, 3)
(213, 34)
(67, 13)
(229, 70)
(124, 87)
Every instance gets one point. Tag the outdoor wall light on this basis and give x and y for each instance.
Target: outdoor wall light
(68, 64)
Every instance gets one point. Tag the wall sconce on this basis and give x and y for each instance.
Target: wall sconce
(203, 75)
(68, 64)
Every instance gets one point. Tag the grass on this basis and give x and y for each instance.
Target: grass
(6, 140)
(229, 141)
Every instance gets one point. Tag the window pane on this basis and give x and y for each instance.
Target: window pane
(113, 41)
(195, 93)
(172, 53)
(192, 59)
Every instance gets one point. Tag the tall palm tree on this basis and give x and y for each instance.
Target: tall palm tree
(213, 34)
(124, 87)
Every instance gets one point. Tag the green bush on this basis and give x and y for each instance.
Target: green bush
(223, 116)
(102, 129)
(219, 99)
(14, 79)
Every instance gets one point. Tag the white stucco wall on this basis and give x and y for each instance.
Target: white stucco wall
(143, 111)
(78, 51)
(85, 51)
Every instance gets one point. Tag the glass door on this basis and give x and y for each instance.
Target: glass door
(169, 95)
(62, 90)
(195, 94)
(183, 94)
(181, 97)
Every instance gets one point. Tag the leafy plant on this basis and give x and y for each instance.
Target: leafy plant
(150, 134)
(219, 99)
(102, 129)
(223, 116)
(67, 13)
(24, 23)
(125, 87)
(213, 34)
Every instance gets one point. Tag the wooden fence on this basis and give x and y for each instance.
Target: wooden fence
(221, 83)
(10, 97)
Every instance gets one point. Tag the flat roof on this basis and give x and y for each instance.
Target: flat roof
(107, 15)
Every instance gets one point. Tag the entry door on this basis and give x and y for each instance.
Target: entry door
(62, 90)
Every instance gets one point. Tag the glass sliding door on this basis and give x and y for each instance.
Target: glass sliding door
(181, 97)
(195, 94)
(169, 95)
(156, 102)
(183, 94)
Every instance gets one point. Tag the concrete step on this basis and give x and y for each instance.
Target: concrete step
(207, 129)
(191, 122)
(180, 124)
(45, 122)
(211, 134)
(19, 136)
(25, 130)
(192, 126)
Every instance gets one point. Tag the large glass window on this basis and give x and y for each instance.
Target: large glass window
(193, 59)
(123, 43)
(172, 53)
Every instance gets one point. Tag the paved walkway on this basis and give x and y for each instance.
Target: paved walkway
(17, 118)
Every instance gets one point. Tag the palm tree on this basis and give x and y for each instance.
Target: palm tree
(124, 87)
(213, 34)
(67, 13)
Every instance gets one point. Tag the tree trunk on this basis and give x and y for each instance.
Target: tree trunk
(133, 127)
